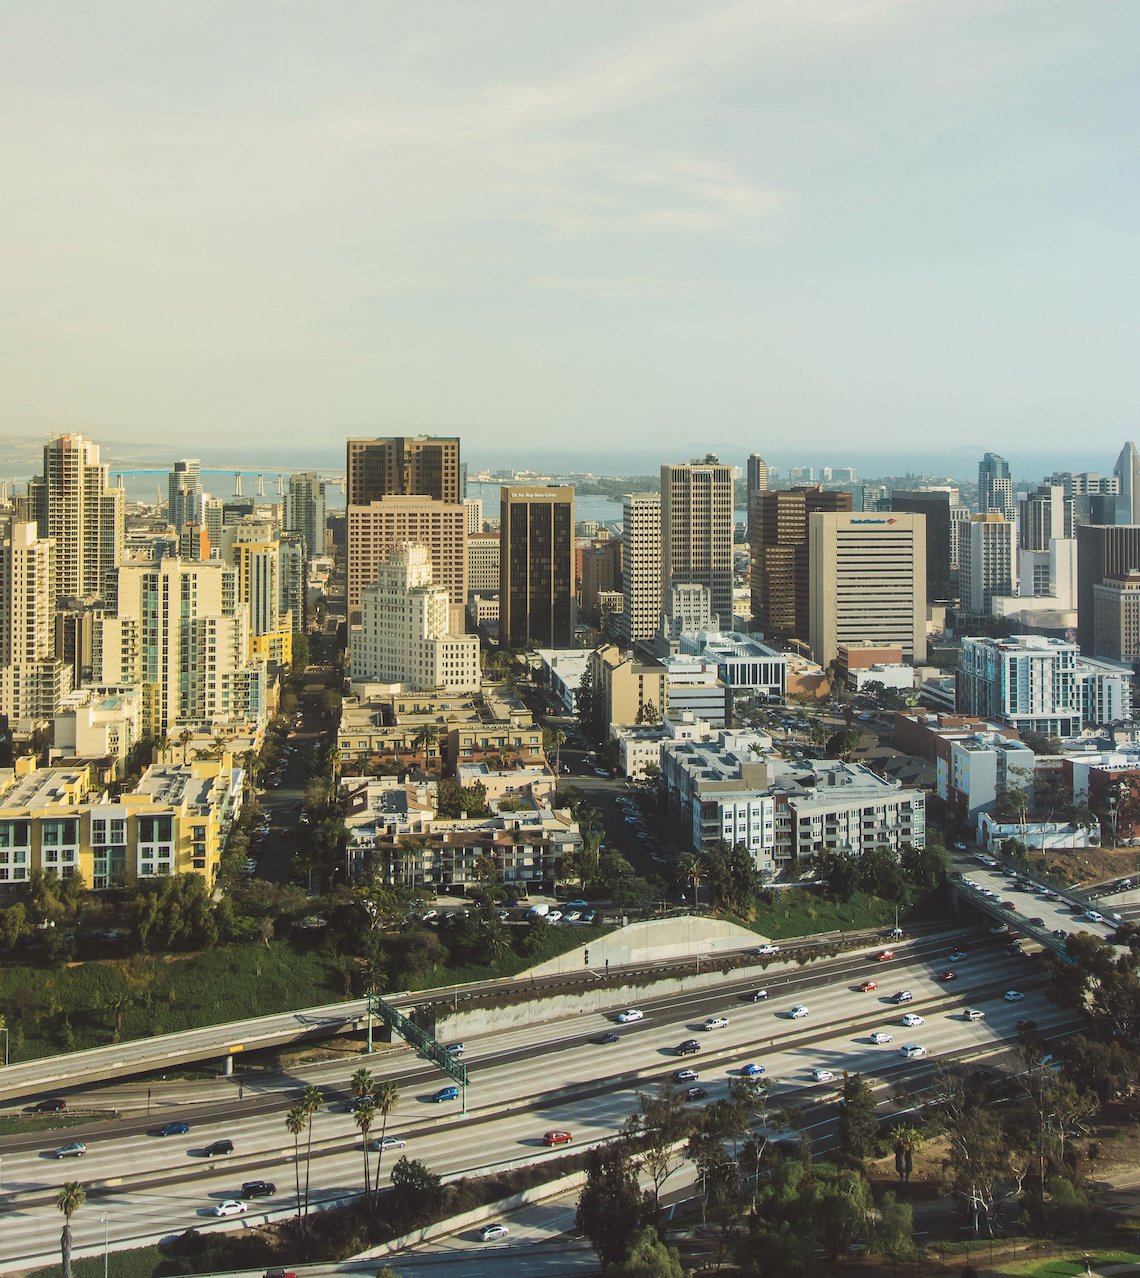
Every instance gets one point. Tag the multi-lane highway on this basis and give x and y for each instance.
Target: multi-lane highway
(524, 1082)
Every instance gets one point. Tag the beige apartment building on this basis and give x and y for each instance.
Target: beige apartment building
(697, 530)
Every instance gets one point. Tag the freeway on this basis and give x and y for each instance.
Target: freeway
(524, 1081)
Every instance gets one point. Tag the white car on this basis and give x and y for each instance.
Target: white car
(554, 916)
(1094, 917)
(630, 1014)
(231, 1207)
(912, 1051)
(493, 1231)
(973, 1014)
(880, 1037)
(1012, 996)
(798, 1012)
(715, 1022)
(768, 949)
(390, 1142)
(823, 1075)
(913, 1018)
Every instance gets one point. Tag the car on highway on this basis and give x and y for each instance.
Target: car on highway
(913, 1018)
(822, 1076)
(445, 1094)
(696, 1093)
(1037, 922)
(1012, 996)
(947, 976)
(258, 1189)
(685, 1076)
(999, 930)
(1060, 932)
(231, 1207)
(687, 1047)
(912, 1051)
(885, 955)
(174, 1129)
(1094, 917)
(751, 1070)
(758, 996)
(489, 1232)
(455, 1049)
(868, 986)
(219, 1147)
(1026, 1025)
(390, 1142)
(960, 847)
(630, 1014)
(957, 956)
(903, 996)
(798, 1012)
(550, 1139)
(973, 1014)
(74, 1149)
(611, 1037)
(52, 1106)
(880, 1036)
(715, 1022)
(768, 949)
(1008, 905)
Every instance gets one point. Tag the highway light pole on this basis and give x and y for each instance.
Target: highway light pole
(105, 1222)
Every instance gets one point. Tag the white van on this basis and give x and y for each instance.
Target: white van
(542, 910)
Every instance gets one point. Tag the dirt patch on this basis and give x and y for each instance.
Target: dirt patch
(179, 958)
(1093, 865)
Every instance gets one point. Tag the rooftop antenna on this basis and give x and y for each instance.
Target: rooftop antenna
(237, 483)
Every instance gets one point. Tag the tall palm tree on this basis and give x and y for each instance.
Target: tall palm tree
(365, 1116)
(698, 870)
(362, 1082)
(385, 1097)
(425, 737)
(295, 1122)
(310, 1102)
(69, 1200)
(185, 738)
(559, 742)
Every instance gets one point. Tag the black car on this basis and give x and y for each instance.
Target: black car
(258, 1189)
(1026, 1025)
(219, 1147)
(49, 1106)
(687, 1048)
(609, 1038)
(696, 1093)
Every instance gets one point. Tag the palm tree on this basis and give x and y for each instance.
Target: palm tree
(385, 1097)
(310, 1102)
(295, 1122)
(494, 943)
(559, 742)
(698, 869)
(425, 737)
(362, 1082)
(365, 1116)
(69, 1200)
(184, 738)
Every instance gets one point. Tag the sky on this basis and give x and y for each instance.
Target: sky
(828, 231)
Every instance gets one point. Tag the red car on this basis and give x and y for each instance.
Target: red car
(947, 976)
(868, 986)
(886, 954)
(557, 1138)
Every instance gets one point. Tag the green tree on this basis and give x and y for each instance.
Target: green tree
(925, 867)
(648, 1257)
(418, 1191)
(610, 1203)
(842, 744)
(881, 875)
(841, 870)
(11, 925)
(840, 1210)
(300, 650)
(69, 1200)
(364, 1117)
(473, 800)
(894, 1231)
(858, 1124)
(648, 713)
(661, 1121)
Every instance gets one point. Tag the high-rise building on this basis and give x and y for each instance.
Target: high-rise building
(193, 542)
(780, 557)
(757, 481)
(1085, 483)
(405, 635)
(212, 517)
(375, 528)
(801, 474)
(82, 513)
(1045, 515)
(1027, 681)
(1103, 551)
(935, 505)
(474, 515)
(482, 563)
(254, 550)
(178, 630)
(305, 510)
(987, 562)
(1127, 471)
(959, 529)
(995, 486)
(32, 680)
(294, 578)
(601, 575)
(404, 466)
(536, 567)
(641, 564)
(697, 529)
(867, 583)
(184, 493)
(1116, 617)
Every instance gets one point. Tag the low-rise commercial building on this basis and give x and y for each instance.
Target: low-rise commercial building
(100, 721)
(744, 664)
(639, 745)
(982, 766)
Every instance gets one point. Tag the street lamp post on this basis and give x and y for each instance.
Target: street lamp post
(104, 1220)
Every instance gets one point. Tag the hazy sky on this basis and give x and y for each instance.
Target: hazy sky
(822, 226)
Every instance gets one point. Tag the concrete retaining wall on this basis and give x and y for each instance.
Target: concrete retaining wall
(652, 942)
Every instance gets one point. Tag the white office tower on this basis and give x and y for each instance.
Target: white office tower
(305, 510)
(77, 507)
(1050, 574)
(32, 681)
(1045, 515)
(184, 493)
(1127, 471)
(688, 607)
(179, 631)
(987, 560)
(474, 517)
(641, 566)
(212, 517)
(404, 635)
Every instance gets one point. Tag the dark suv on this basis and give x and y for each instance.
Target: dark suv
(219, 1147)
(687, 1048)
(258, 1189)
